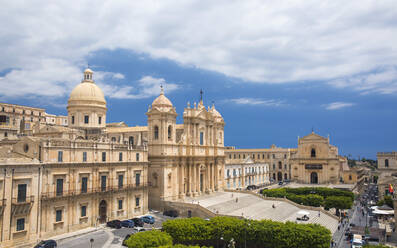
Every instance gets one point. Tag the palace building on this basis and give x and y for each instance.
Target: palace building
(60, 174)
(315, 161)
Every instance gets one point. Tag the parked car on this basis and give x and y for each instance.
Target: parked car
(280, 183)
(139, 229)
(126, 238)
(114, 224)
(46, 244)
(127, 223)
(138, 222)
(148, 219)
(251, 187)
(303, 218)
(171, 213)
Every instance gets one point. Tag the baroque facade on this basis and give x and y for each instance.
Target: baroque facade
(314, 161)
(69, 172)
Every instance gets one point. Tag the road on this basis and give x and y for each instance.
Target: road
(106, 236)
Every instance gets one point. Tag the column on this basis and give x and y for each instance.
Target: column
(197, 168)
(194, 189)
(189, 181)
(216, 176)
(207, 179)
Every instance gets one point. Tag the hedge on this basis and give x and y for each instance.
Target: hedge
(313, 196)
(218, 231)
(149, 239)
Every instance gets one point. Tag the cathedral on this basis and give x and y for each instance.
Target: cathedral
(64, 173)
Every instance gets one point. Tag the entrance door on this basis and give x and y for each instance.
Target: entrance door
(201, 182)
(279, 176)
(102, 211)
(314, 178)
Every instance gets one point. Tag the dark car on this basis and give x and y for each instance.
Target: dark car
(280, 183)
(127, 223)
(148, 219)
(46, 244)
(114, 224)
(126, 238)
(303, 218)
(138, 222)
(251, 187)
(171, 213)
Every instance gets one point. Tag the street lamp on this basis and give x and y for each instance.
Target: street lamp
(91, 242)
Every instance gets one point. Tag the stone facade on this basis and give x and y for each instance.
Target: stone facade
(241, 175)
(69, 173)
(315, 161)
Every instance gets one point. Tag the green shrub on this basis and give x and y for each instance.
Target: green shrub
(255, 234)
(338, 202)
(181, 246)
(149, 239)
(310, 196)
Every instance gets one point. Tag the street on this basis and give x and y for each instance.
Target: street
(108, 237)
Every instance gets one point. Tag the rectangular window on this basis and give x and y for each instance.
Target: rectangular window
(20, 224)
(103, 156)
(83, 211)
(137, 157)
(120, 204)
(86, 119)
(201, 138)
(84, 184)
(58, 215)
(120, 156)
(137, 201)
(21, 193)
(72, 119)
(100, 120)
(121, 178)
(84, 156)
(103, 183)
(59, 187)
(137, 179)
(60, 156)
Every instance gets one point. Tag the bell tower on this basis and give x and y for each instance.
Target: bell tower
(162, 151)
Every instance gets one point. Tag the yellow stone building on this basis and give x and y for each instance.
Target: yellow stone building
(314, 161)
(63, 173)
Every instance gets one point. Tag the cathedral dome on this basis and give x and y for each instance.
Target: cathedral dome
(162, 101)
(88, 92)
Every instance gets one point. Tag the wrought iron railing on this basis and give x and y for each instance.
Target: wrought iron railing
(76, 192)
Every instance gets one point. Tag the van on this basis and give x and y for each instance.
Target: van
(357, 241)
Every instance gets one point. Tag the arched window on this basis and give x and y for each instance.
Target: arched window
(313, 153)
(386, 163)
(169, 132)
(274, 166)
(113, 139)
(131, 140)
(156, 132)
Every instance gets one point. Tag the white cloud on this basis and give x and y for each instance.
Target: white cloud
(257, 101)
(337, 105)
(145, 87)
(254, 40)
(383, 81)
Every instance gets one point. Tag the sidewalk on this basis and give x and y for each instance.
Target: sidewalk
(77, 233)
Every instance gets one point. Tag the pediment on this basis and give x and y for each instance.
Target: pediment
(314, 136)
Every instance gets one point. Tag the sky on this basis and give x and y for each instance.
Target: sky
(275, 70)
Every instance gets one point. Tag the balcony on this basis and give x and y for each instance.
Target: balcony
(21, 205)
(96, 190)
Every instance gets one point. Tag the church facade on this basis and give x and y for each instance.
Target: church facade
(314, 161)
(62, 178)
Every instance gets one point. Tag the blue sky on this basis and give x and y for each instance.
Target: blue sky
(274, 70)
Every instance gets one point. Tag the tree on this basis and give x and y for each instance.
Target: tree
(149, 239)
(338, 202)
